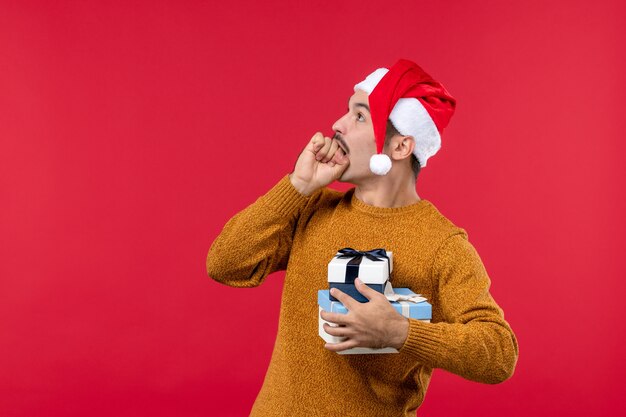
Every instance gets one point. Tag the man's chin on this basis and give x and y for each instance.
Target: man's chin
(345, 179)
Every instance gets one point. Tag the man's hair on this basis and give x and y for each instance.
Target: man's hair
(391, 132)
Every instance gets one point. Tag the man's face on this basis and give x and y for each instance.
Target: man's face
(355, 133)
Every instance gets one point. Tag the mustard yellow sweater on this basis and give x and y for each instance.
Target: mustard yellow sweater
(284, 230)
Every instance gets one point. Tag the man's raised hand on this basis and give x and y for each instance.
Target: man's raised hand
(321, 162)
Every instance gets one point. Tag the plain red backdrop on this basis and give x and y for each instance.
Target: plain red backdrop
(132, 131)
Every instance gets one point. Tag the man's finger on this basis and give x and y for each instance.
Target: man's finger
(334, 317)
(316, 142)
(322, 152)
(340, 331)
(347, 301)
(338, 347)
(331, 151)
(365, 290)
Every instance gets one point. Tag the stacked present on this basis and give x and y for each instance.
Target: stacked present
(374, 268)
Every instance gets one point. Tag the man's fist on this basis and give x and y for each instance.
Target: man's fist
(321, 162)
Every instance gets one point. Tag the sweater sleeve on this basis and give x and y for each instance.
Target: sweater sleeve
(473, 340)
(257, 240)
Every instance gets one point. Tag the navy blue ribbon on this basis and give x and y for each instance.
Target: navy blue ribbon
(352, 268)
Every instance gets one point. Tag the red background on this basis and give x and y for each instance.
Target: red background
(130, 133)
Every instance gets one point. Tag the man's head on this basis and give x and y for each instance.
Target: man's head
(355, 133)
(401, 109)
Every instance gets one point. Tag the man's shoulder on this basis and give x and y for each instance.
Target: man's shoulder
(440, 224)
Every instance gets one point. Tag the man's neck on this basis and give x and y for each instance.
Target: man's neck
(387, 192)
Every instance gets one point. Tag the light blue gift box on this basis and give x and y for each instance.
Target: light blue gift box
(420, 311)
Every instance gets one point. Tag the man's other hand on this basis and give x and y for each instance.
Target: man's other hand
(375, 324)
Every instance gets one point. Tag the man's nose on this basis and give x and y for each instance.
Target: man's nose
(339, 126)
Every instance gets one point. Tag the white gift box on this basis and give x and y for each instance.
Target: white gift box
(370, 272)
(343, 269)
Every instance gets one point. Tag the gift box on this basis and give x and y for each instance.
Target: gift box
(421, 311)
(372, 267)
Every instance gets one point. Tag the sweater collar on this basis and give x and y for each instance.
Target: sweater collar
(414, 208)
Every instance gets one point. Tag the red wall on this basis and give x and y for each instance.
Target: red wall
(130, 133)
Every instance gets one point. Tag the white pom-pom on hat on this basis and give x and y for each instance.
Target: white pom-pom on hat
(380, 164)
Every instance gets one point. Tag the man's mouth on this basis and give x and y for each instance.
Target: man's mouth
(342, 144)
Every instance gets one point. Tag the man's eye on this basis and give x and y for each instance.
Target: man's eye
(360, 116)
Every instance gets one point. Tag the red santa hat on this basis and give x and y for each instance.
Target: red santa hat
(416, 104)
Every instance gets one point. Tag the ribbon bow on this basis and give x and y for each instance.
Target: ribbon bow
(373, 255)
(357, 255)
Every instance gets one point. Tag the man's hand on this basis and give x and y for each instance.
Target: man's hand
(321, 162)
(375, 324)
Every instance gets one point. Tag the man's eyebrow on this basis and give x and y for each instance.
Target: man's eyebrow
(365, 106)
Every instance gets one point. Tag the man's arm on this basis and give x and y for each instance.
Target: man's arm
(473, 340)
(257, 240)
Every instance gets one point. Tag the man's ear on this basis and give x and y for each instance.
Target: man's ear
(401, 147)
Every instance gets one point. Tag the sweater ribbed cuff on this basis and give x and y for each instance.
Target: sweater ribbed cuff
(423, 341)
(284, 198)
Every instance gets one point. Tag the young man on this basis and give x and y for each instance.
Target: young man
(392, 126)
